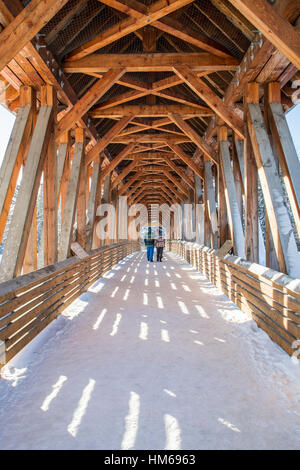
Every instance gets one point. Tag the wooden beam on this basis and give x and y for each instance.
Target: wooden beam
(236, 17)
(211, 99)
(131, 180)
(124, 173)
(94, 153)
(115, 162)
(88, 100)
(286, 151)
(129, 25)
(13, 157)
(171, 26)
(25, 26)
(186, 159)
(50, 203)
(192, 134)
(211, 201)
(149, 62)
(16, 242)
(71, 198)
(92, 206)
(81, 206)
(148, 138)
(187, 34)
(150, 111)
(280, 224)
(231, 198)
(273, 26)
(64, 20)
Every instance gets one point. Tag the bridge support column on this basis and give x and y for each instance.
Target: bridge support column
(16, 243)
(71, 197)
(199, 213)
(279, 220)
(235, 219)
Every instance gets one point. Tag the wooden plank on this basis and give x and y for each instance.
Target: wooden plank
(78, 250)
(13, 157)
(88, 100)
(25, 26)
(94, 153)
(211, 99)
(71, 200)
(149, 62)
(273, 26)
(280, 223)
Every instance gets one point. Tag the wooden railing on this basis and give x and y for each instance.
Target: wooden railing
(30, 302)
(271, 298)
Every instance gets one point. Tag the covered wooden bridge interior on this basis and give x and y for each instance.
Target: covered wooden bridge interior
(164, 102)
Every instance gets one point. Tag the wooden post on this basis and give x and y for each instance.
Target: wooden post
(211, 200)
(280, 224)
(71, 197)
(288, 158)
(30, 258)
(92, 205)
(199, 210)
(81, 206)
(50, 202)
(250, 186)
(62, 156)
(13, 157)
(18, 234)
(235, 219)
(222, 211)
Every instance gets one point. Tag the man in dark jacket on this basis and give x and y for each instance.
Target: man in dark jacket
(160, 244)
(149, 243)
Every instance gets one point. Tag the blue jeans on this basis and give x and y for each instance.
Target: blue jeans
(150, 251)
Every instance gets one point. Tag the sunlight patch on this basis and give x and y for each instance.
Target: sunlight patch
(56, 389)
(81, 408)
(131, 422)
(173, 434)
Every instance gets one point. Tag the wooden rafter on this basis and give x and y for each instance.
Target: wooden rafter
(25, 26)
(88, 100)
(196, 138)
(129, 25)
(273, 26)
(149, 62)
(94, 153)
(207, 95)
(151, 111)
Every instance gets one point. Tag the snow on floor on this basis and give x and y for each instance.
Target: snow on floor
(153, 356)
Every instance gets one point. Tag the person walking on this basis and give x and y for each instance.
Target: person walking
(160, 244)
(149, 243)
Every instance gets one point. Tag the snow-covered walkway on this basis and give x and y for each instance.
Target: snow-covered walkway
(153, 356)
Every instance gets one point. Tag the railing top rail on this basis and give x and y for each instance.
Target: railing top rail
(290, 284)
(17, 284)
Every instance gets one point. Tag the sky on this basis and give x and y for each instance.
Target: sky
(7, 120)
